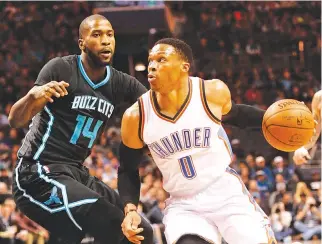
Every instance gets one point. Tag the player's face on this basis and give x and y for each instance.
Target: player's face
(165, 68)
(99, 42)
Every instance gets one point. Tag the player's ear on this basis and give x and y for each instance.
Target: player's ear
(81, 44)
(185, 67)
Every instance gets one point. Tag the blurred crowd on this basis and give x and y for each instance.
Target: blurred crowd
(255, 47)
(241, 43)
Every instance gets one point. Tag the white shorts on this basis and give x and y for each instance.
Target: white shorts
(224, 209)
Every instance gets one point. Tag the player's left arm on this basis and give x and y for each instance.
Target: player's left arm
(240, 115)
(131, 152)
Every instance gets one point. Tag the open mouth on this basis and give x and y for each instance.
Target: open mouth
(151, 78)
(106, 52)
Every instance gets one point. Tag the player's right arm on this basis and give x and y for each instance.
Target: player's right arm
(240, 115)
(131, 152)
(45, 89)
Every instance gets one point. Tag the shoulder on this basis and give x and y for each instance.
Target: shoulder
(69, 60)
(317, 95)
(215, 84)
(216, 91)
(132, 114)
(61, 65)
(130, 127)
(63, 61)
(122, 77)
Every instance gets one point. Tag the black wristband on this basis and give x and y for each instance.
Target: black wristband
(128, 174)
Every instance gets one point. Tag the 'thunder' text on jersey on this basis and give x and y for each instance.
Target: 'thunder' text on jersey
(192, 148)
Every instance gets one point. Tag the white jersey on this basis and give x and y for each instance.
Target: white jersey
(191, 149)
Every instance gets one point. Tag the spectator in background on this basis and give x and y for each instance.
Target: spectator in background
(225, 28)
(13, 137)
(263, 184)
(236, 52)
(280, 190)
(252, 95)
(281, 221)
(254, 51)
(287, 81)
(244, 173)
(3, 117)
(155, 215)
(113, 138)
(36, 233)
(237, 149)
(308, 221)
(251, 164)
(288, 202)
(5, 175)
(281, 168)
(9, 232)
(261, 165)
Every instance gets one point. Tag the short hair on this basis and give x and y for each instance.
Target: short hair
(83, 26)
(180, 46)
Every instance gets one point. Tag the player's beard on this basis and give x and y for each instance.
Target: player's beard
(95, 59)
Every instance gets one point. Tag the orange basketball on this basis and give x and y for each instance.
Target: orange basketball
(288, 125)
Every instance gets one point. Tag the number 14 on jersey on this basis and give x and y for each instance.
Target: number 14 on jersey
(85, 130)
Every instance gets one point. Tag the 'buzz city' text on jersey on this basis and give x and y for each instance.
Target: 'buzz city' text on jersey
(93, 103)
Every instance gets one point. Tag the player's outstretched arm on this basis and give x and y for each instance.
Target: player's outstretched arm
(240, 115)
(49, 84)
(243, 116)
(131, 151)
(35, 100)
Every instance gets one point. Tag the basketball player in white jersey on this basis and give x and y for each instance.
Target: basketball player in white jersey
(301, 155)
(179, 120)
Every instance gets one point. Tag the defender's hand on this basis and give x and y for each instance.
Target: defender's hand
(130, 227)
(53, 88)
(301, 156)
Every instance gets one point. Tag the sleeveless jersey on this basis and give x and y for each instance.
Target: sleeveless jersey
(65, 130)
(191, 149)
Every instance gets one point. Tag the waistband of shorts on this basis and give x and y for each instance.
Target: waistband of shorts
(27, 163)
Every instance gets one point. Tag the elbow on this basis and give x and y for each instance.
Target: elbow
(14, 121)
(14, 124)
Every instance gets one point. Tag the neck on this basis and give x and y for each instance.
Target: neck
(94, 72)
(173, 99)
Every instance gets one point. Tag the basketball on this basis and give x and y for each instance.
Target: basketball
(288, 125)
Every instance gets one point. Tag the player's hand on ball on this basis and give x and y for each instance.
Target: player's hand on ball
(130, 227)
(53, 88)
(301, 156)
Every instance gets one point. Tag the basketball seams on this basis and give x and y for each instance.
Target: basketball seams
(301, 128)
(280, 140)
(280, 125)
(266, 119)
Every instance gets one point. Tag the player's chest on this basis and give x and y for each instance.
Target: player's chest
(84, 100)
